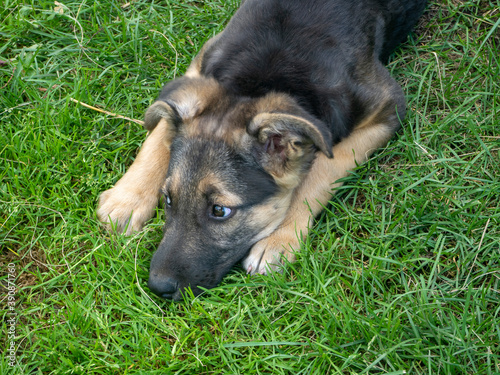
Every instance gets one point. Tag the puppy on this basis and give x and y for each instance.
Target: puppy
(247, 146)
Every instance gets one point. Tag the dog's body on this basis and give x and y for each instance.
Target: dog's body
(247, 146)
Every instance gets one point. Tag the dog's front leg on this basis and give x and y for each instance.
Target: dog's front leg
(313, 194)
(131, 202)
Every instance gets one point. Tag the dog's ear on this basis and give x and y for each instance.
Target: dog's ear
(288, 144)
(158, 110)
(184, 99)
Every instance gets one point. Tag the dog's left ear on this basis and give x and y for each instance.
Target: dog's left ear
(288, 144)
(160, 110)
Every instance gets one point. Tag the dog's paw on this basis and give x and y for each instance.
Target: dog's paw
(125, 210)
(268, 254)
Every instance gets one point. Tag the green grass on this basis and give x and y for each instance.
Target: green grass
(401, 273)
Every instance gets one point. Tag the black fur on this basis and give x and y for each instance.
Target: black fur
(312, 50)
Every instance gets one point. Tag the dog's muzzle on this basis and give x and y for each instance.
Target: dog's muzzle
(164, 287)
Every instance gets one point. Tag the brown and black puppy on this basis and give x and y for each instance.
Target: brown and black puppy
(247, 146)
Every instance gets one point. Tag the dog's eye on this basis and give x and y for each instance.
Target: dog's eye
(168, 201)
(220, 212)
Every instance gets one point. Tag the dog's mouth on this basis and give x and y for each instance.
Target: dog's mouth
(177, 288)
(171, 290)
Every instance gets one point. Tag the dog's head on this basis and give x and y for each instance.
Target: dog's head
(234, 163)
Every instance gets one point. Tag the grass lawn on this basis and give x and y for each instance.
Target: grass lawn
(401, 273)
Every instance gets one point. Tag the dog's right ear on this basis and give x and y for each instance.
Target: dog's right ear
(159, 110)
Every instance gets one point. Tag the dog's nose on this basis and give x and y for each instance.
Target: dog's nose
(164, 287)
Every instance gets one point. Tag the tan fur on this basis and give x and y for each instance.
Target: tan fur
(275, 102)
(134, 197)
(222, 196)
(270, 214)
(197, 95)
(267, 254)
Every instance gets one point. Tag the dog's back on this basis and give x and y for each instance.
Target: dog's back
(402, 16)
(314, 50)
